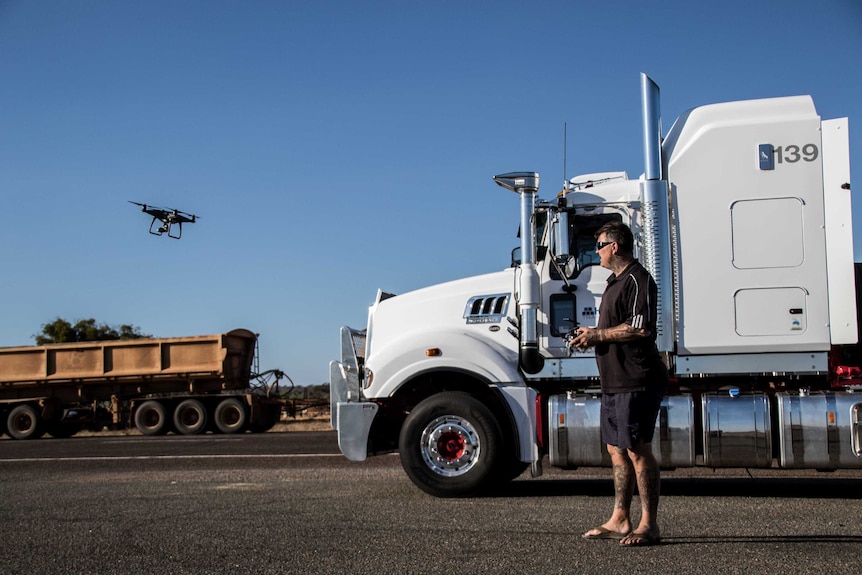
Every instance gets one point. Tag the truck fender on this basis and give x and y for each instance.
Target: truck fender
(463, 352)
(458, 351)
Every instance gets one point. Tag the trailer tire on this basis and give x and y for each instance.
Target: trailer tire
(451, 445)
(230, 416)
(24, 422)
(268, 415)
(62, 430)
(151, 418)
(190, 417)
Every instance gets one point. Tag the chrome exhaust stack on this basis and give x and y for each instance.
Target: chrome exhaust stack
(656, 215)
(526, 184)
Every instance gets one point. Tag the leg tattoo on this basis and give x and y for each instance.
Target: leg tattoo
(649, 487)
(624, 482)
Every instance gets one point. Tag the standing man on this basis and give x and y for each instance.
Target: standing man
(634, 379)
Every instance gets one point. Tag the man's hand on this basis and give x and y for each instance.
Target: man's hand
(585, 337)
(590, 336)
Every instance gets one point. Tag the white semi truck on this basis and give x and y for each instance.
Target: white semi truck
(743, 218)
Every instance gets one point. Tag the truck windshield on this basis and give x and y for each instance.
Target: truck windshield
(582, 240)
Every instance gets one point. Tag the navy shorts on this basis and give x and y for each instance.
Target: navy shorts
(628, 419)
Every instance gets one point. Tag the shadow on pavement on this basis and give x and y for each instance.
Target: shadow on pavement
(785, 539)
(809, 488)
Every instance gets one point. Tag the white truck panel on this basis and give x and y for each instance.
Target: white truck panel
(740, 227)
(839, 231)
(462, 352)
(407, 325)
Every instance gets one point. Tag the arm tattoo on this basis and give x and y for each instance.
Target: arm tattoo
(620, 334)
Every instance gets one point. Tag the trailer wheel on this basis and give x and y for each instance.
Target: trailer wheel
(24, 423)
(190, 417)
(450, 445)
(267, 417)
(151, 418)
(230, 416)
(62, 430)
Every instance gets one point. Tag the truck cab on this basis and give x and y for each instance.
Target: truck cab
(742, 217)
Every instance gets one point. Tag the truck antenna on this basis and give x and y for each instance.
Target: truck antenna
(565, 154)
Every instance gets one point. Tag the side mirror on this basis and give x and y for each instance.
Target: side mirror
(568, 264)
(561, 231)
(516, 257)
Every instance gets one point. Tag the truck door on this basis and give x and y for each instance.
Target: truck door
(572, 288)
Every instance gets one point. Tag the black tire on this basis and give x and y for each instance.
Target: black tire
(268, 416)
(230, 416)
(190, 417)
(151, 418)
(24, 422)
(451, 445)
(514, 469)
(62, 430)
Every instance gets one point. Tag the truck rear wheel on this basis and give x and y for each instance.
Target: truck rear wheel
(24, 422)
(151, 418)
(190, 417)
(450, 445)
(230, 416)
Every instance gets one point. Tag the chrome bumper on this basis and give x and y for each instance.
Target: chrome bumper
(351, 416)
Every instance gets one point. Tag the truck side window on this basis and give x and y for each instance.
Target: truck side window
(563, 314)
(582, 231)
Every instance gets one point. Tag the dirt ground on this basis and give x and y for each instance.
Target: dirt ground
(316, 423)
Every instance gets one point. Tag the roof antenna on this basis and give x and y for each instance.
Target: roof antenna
(565, 154)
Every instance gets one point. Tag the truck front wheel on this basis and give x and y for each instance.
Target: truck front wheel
(450, 445)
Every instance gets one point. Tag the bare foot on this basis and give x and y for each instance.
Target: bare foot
(641, 538)
(610, 530)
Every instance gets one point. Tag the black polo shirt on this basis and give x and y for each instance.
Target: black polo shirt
(630, 297)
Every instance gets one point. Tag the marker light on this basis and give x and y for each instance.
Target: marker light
(847, 371)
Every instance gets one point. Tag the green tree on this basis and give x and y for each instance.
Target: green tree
(61, 331)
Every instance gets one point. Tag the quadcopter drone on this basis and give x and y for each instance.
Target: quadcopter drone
(168, 217)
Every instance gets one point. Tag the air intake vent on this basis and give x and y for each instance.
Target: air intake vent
(487, 308)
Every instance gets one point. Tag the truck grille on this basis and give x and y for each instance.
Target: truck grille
(487, 308)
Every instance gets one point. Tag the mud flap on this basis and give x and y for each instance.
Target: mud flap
(354, 424)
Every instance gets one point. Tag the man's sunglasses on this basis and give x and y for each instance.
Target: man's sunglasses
(600, 245)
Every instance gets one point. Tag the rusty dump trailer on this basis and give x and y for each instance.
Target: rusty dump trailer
(185, 384)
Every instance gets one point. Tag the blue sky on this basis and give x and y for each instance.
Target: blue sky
(334, 148)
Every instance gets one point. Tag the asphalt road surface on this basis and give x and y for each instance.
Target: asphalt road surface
(288, 503)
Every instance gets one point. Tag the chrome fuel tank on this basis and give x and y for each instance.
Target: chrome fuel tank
(736, 430)
(575, 432)
(820, 430)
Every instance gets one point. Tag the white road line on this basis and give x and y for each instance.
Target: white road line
(145, 457)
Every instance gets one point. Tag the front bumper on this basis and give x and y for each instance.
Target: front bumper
(349, 414)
